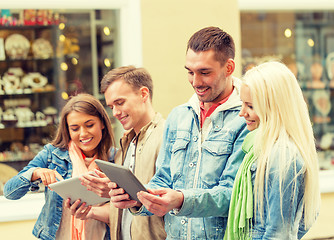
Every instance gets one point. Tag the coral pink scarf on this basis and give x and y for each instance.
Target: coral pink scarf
(80, 166)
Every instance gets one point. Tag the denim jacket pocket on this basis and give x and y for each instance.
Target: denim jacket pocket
(178, 151)
(55, 164)
(63, 172)
(175, 228)
(214, 156)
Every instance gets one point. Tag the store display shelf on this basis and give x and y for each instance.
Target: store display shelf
(317, 89)
(24, 154)
(27, 92)
(34, 59)
(26, 59)
(27, 27)
(25, 125)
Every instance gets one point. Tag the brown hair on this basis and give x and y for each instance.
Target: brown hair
(136, 77)
(213, 38)
(88, 104)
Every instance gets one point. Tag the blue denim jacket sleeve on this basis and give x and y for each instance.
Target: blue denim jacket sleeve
(19, 185)
(162, 177)
(283, 220)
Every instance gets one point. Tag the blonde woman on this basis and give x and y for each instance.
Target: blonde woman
(276, 191)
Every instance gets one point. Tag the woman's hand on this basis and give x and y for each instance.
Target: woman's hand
(82, 211)
(96, 182)
(47, 176)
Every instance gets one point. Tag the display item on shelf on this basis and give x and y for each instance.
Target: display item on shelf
(17, 71)
(2, 91)
(2, 49)
(49, 88)
(321, 102)
(51, 115)
(19, 114)
(29, 16)
(24, 116)
(8, 19)
(330, 68)
(34, 80)
(8, 117)
(70, 46)
(327, 141)
(15, 82)
(17, 46)
(316, 73)
(19, 152)
(12, 103)
(40, 118)
(327, 160)
(11, 84)
(42, 49)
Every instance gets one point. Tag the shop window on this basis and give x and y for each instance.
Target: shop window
(304, 41)
(45, 57)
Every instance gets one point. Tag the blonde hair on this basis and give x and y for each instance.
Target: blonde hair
(279, 103)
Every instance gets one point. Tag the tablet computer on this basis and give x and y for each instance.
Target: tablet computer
(72, 188)
(123, 177)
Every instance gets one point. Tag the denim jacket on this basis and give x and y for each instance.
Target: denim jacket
(50, 157)
(202, 163)
(288, 223)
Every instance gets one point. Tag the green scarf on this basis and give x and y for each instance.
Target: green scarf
(240, 215)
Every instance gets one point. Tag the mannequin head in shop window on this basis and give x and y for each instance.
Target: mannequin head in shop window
(290, 62)
(316, 74)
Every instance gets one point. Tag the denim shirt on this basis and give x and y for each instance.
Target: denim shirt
(202, 166)
(50, 157)
(288, 223)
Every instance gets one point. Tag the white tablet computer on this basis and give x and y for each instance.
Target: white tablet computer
(72, 188)
(123, 177)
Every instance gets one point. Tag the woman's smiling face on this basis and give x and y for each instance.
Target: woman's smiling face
(85, 131)
(247, 111)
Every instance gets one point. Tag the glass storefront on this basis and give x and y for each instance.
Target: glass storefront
(304, 41)
(45, 57)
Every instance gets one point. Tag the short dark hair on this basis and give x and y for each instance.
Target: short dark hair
(213, 38)
(136, 77)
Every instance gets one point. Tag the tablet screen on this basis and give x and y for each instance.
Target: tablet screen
(123, 177)
(72, 188)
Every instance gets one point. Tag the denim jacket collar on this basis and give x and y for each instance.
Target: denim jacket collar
(214, 121)
(61, 154)
(233, 101)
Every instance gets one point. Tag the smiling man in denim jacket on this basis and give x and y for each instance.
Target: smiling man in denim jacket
(201, 150)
